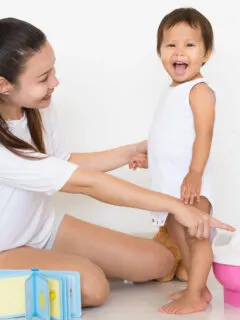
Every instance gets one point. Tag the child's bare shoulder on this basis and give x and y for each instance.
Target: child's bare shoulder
(202, 93)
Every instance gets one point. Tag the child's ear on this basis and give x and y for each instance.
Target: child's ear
(207, 56)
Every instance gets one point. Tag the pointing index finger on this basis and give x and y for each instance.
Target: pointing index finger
(220, 225)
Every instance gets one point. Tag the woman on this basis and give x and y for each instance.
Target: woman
(34, 166)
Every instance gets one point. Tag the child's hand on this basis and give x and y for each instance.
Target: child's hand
(140, 161)
(191, 187)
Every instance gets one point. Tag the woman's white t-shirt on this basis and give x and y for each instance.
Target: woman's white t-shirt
(27, 186)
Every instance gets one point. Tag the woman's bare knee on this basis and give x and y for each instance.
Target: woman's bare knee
(162, 262)
(94, 285)
(94, 288)
(157, 264)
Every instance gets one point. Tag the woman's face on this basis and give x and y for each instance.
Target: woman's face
(37, 82)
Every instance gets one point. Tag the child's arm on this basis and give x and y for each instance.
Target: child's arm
(202, 102)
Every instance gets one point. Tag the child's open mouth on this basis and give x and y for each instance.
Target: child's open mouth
(180, 68)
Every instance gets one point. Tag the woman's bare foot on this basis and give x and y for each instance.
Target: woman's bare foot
(206, 294)
(185, 305)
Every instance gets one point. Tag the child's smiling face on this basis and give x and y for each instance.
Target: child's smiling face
(183, 52)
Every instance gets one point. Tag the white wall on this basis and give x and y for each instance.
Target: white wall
(110, 82)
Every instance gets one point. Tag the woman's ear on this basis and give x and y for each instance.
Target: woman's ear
(5, 86)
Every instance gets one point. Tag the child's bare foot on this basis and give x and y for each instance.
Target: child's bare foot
(206, 294)
(185, 305)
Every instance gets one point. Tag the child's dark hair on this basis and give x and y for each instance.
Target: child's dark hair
(194, 19)
(19, 40)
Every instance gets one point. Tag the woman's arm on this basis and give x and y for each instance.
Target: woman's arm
(115, 191)
(110, 159)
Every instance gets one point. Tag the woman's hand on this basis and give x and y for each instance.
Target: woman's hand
(140, 159)
(197, 222)
(142, 147)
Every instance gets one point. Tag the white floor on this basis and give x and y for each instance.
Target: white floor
(141, 302)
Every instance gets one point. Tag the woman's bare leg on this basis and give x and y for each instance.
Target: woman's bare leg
(94, 285)
(117, 254)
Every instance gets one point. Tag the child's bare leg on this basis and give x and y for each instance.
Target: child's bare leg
(193, 299)
(178, 234)
(201, 257)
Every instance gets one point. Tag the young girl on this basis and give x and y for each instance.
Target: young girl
(180, 141)
(34, 165)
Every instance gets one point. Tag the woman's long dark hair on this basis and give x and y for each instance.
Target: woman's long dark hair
(19, 40)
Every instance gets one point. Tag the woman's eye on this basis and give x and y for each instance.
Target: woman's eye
(44, 80)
